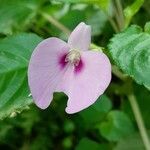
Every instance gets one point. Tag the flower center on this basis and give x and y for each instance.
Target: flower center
(73, 57)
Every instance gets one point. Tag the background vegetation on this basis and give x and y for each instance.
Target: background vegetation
(119, 120)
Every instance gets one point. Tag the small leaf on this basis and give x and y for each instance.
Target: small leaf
(147, 27)
(131, 52)
(116, 126)
(131, 10)
(97, 20)
(97, 111)
(15, 52)
(87, 144)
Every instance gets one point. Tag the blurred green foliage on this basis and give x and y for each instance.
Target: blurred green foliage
(109, 124)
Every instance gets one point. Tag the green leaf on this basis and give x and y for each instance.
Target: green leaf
(78, 14)
(97, 111)
(131, 10)
(87, 144)
(97, 20)
(88, 14)
(116, 126)
(132, 142)
(131, 52)
(104, 4)
(147, 27)
(15, 52)
(17, 14)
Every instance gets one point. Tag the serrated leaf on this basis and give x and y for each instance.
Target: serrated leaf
(131, 52)
(17, 14)
(116, 126)
(15, 52)
(131, 10)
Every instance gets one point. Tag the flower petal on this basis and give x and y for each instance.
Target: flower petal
(45, 70)
(80, 37)
(86, 86)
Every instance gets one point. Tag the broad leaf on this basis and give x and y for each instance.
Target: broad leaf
(17, 14)
(15, 52)
(116, 126)
(131, 52)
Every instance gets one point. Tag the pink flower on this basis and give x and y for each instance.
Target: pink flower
(57, 66)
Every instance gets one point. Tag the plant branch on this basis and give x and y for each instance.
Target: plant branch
(113, 24)
(139, 120)
(120, 13)
(56, 23)
(118, 73)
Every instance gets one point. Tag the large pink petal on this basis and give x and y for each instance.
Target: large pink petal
(84, 87)
(80, 37)
(45, 70)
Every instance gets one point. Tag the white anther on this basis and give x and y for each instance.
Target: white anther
(73, 57)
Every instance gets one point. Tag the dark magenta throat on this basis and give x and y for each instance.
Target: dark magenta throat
(63, 61)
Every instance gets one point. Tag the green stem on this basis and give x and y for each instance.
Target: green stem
(120, 13)
(117, 18)
(118, 73)
(139, 120)
(56, 23)
(113, 24)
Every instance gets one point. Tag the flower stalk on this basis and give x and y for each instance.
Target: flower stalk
(139, 120)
